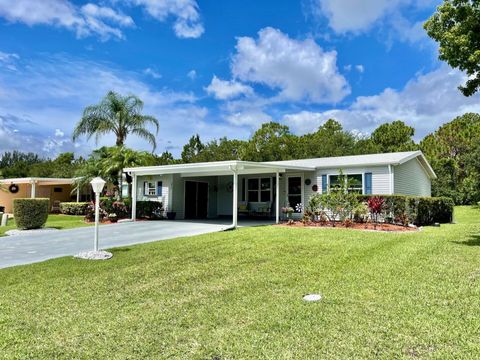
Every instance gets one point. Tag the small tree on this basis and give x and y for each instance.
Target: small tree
(376, 206)
(338, 203)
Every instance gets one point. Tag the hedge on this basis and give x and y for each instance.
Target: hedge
(73, 208)
(30, 213)
(149, 209)
(416, 210)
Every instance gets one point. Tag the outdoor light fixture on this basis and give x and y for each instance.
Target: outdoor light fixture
(97, 186)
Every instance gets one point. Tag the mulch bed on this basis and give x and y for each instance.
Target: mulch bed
(356, 226)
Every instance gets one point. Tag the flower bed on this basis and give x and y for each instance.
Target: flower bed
(357, 226)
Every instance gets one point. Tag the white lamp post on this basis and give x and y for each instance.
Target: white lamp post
(97, 186)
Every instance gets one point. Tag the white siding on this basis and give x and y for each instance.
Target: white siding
(380, 177)
(410, 178)
(225, 197)
(165, 198)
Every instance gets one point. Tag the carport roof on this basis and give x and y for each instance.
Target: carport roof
(216, 168)
(38, 181)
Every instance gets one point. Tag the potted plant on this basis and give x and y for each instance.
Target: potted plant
(171, 214)
(113, 217)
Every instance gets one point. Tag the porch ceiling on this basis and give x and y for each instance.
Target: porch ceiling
(218, 168)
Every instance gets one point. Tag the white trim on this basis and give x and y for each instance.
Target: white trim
(302, 187)
(235, 199)
(277, 198)
(217, 168)
(134, 197)
(391, 183)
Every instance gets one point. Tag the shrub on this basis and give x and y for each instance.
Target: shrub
(360, 212)
(111, 206)
(30, 213)
(149, 209)
(430, 210)
(376, 205)
(415, 209)
(73, 208)
(90, 213)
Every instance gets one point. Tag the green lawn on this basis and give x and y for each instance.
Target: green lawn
(238, 294)
(54, 221)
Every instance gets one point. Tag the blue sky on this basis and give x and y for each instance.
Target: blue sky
(220, 68)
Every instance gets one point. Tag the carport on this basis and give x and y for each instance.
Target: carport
(167, 183)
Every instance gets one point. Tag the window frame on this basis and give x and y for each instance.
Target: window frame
(302, 190)
(147, 189)
(347, 174)
(259, 190)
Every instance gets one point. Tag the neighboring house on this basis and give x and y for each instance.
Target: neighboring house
(54, 189)
(229, 188)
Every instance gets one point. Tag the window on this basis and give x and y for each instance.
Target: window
(294, 195)
(153, 188)
(253, 190)
(354, 183)
(259, 190)
(57, 189)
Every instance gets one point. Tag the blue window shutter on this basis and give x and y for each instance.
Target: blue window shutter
(324, 184)
(368, 183)
(159, 188)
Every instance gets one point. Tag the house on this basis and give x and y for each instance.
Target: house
(34, 187)
(233, 188)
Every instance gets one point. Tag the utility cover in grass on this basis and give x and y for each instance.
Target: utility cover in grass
(312, 297)
(94, 255)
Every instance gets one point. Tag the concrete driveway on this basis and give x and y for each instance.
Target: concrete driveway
(30, 248)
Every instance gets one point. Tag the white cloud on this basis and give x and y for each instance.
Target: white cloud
(50, 93)
(9, 60)
(301, 70)
(426, 102)
(355, 17)
(192, 75)
(250, 118)
(106, 22)
(95, 11)
(186, 13)
(360, 68)
(304, 121)
(153, 73)
(88, 20)
(223, 90)
(59, 133)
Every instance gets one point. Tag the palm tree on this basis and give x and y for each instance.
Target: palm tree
(108, 163)
(117, 114)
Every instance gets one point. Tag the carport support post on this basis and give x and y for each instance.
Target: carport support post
(235, 198)
(134, 197)
(32, 193)
(277, 198)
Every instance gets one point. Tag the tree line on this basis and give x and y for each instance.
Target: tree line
(453, 151)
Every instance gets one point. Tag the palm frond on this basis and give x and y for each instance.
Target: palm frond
(147, 135)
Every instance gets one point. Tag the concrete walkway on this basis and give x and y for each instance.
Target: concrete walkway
(30, 248)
